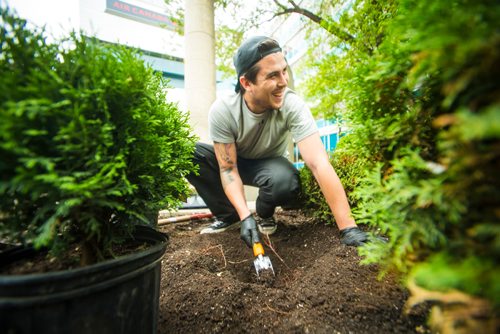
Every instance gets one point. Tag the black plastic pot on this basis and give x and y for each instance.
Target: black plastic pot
(115, 296)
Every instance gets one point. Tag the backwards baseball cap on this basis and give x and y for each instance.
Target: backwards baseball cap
(250, 52)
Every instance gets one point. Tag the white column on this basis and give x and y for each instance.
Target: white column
(199, 63)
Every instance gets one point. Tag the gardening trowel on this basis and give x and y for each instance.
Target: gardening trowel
(262, 263)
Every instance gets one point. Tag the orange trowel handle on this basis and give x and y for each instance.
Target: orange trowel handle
(258, 249)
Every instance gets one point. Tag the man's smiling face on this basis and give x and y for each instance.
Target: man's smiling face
(268, 91)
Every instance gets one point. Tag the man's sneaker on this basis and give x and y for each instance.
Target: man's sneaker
(267, 226)
(220, 226)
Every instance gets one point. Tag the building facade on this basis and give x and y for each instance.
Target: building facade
(142, 24)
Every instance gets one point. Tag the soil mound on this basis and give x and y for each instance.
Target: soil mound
(209, 284)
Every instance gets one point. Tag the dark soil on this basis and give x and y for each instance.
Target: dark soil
(42, 262)
(209, 284)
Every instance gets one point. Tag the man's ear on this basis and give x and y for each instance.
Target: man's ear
(244, 82)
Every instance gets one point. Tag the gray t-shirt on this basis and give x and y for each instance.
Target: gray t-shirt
(260, 135)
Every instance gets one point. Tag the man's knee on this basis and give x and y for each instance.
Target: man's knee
(287, 187)
(203, 151)
(204, 159)
(286, 183)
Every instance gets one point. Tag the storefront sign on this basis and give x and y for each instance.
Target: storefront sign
(139, 14)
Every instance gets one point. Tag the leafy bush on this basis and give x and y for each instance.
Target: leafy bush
(90, 146)
(441, 208)
(350, 170)
(423, 103)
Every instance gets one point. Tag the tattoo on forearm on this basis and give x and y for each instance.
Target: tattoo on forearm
(227, 165)
(223, 151)
(226, 176)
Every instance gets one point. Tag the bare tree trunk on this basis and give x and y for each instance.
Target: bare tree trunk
(199, 63)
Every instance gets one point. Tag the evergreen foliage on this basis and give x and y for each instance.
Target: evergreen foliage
(89, 144)
(419, 88)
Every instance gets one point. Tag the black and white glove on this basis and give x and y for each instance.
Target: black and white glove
(353, 236)
(248, 231)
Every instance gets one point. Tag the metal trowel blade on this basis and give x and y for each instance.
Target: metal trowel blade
(263, 263)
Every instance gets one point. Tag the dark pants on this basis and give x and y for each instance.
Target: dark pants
(277, 179)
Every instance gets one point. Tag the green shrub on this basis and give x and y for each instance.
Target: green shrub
(89, 144)
(350, 170)
(421, 96)
(437, 197)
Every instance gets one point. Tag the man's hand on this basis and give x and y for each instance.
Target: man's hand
(248, 231)
(353, 236)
